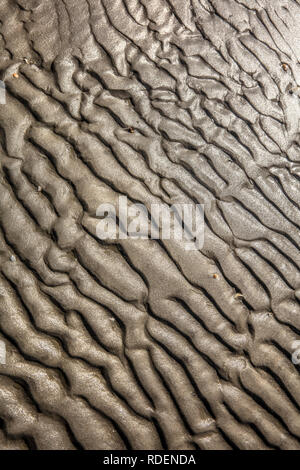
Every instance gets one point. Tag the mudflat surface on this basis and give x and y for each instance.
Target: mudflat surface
(139, 343)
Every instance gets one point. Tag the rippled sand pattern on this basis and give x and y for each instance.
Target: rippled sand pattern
(140, 344)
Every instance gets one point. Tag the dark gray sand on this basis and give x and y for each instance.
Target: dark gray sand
(139, 343)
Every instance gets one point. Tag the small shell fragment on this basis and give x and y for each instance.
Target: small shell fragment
(238, 295)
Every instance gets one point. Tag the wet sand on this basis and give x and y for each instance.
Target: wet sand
(140, 344)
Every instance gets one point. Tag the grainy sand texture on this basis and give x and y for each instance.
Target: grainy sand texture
(142, 344)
